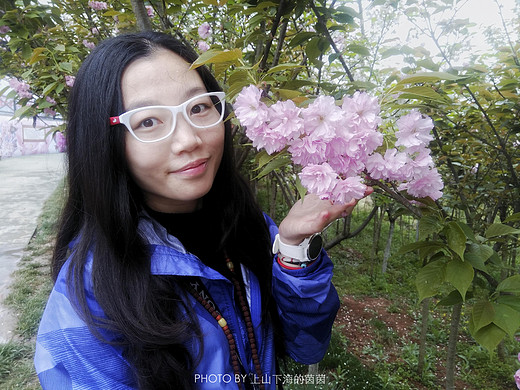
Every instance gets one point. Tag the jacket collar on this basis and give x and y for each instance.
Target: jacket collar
(168, 255)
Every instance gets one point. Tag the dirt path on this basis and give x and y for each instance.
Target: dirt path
(25, 183)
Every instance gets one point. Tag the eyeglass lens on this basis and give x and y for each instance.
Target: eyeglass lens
(155, 123)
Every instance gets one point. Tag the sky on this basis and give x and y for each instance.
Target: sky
(484, 13)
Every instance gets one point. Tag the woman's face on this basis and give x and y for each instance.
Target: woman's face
(178, 171)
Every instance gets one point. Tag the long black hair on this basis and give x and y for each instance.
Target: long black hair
(102, 212)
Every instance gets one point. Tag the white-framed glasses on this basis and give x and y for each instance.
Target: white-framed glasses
(155, 123)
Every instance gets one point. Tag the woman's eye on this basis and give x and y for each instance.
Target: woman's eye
(148, 123)
(199, 108)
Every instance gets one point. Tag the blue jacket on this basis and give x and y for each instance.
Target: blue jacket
(69, 356)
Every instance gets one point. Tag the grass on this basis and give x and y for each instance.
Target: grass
(28, 293)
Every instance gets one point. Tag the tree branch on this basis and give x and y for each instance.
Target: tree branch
(141, 15)
(336, 240)
(323, 24)
(276, 23)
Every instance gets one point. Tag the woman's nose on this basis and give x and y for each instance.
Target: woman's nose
(185, 137)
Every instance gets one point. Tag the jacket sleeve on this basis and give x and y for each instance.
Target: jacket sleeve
(307, 305)
(69, 356)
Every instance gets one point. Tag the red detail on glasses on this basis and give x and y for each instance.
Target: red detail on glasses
(114, 120)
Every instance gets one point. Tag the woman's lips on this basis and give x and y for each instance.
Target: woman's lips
(193, 168)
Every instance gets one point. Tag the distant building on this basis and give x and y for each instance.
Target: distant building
(29, 135)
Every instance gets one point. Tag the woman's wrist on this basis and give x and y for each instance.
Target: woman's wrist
(290, 263)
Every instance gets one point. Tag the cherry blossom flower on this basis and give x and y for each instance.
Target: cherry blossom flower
(414, 130)
(366, 109)
(69, 80)
(150, 11)
(49, 111)
(203, 46)
(428, 185)
(319, 179)
(21, 88)
(348, 189)
(204, 30)
(250, 111)
(97, 5)
(308, 150)
(517, 375)
(61, 142)
(4, 29)
(285, 120)
(322, 117)
(88, 44)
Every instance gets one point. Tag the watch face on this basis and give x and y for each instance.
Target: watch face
(315, 246)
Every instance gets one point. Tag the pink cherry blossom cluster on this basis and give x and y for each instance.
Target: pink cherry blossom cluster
(21, 88)
(98, 5)
(205, 32)
(337, 145)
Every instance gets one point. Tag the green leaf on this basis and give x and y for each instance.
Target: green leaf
(460, 274)
(358, 49)
(456, 239)
(506, 318)
(510, 285)
(482, 315)
(513, 218)
(302, 191)
(489, 336)
(216, 56)
(467, 231)
(49, 88)
(37, 55)
(499, 229)
(429, 224)
(262, 158)
(66, 66)
(343, 18)
(453, 298)
(300, 38)
(282, 67)
(430, 278)
(510, 300)
(429, 246)
(477, 255)
(276, 163)
(426, 77)
(421, 93)
(21, 111)
(287, 94)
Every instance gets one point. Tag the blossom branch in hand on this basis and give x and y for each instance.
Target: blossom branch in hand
(339, 146)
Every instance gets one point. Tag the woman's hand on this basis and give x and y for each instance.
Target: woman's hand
(311, 216)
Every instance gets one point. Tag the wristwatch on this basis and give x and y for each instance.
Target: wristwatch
(308, 250)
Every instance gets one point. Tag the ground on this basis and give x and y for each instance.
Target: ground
(364, 320)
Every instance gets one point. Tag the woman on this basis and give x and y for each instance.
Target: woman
(164, 276)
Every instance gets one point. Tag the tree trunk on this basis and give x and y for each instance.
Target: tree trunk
(272, 198)
(452, 346)
(388, 246)
(378, 220)
(425, 314)
(141, 15)
(313, 370)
